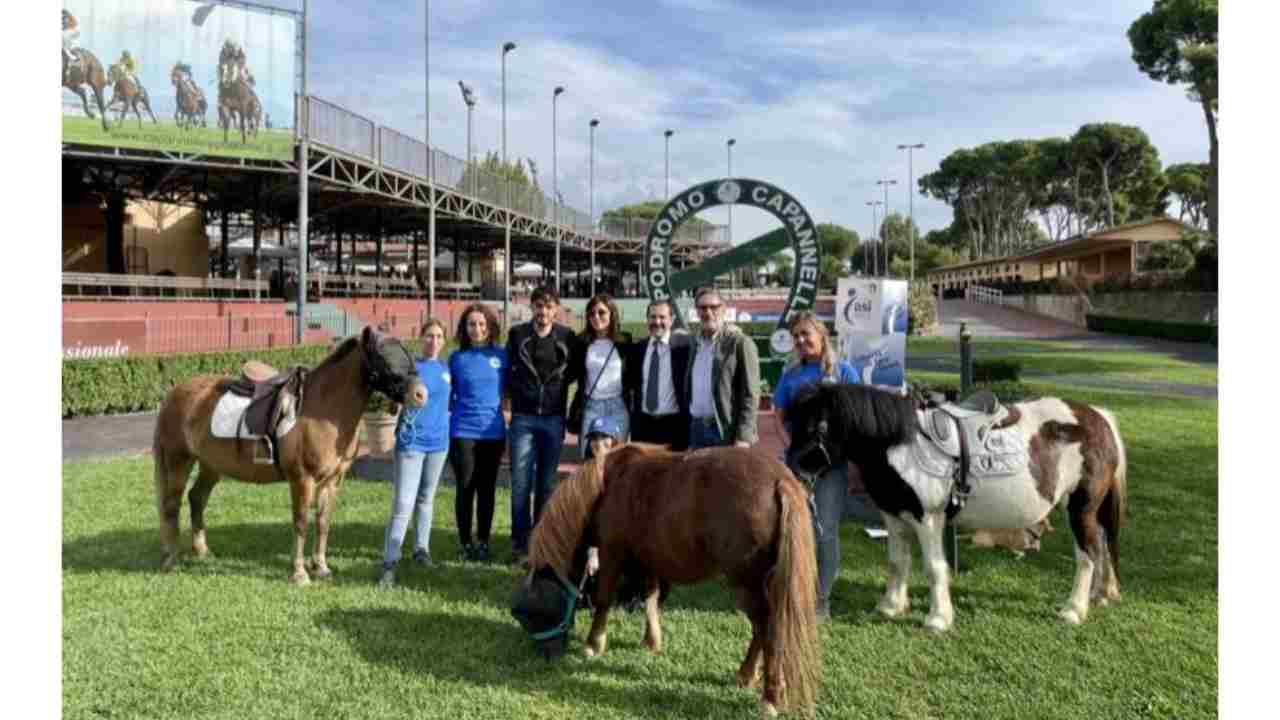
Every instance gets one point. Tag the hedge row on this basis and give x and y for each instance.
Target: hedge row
(1187, 332)
(1006, 391)
(996, 370)
(139, 383)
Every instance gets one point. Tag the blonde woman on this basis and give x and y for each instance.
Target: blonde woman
(814, 361)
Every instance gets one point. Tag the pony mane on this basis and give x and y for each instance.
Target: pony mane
(340, 352)
(861, 412)
(564, 518)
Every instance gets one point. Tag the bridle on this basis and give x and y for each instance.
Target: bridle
(378, 375)
(817, 445)
(571, 596)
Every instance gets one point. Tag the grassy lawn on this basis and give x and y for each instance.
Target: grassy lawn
(275, 144)
(1069, 358)
(227, 637)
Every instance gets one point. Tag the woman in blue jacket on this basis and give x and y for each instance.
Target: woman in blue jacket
(478, 430)
(814, 361)
(422, 443)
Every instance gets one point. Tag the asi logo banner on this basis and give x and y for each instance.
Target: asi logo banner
(871, 321)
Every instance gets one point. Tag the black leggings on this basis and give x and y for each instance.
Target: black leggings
(475, 469)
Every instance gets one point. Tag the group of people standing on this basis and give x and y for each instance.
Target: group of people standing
(671, 388)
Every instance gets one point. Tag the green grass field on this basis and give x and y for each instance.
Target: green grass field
(275, 144)
(228, 637)
(1053, 357)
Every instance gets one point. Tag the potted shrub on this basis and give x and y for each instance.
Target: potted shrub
(380, 417)
(766, 396)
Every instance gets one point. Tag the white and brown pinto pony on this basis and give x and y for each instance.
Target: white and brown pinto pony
(1031, 457)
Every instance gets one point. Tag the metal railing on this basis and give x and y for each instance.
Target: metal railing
(153, 287)
(339, 129)
(981, 294)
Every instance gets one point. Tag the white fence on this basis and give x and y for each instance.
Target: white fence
(980, 294)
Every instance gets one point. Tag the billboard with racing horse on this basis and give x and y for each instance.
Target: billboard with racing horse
(204, 78)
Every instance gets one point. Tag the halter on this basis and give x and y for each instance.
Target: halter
(571, 595)
(816, 444)
(378, 375)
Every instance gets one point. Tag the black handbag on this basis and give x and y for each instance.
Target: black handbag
(579, 406)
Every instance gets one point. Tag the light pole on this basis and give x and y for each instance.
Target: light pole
(506, 253)
(555, 181)
(469, 97)
(591, 203)
(667, 165)
(431, 165)
(728, 149)
(886, 183)
(911, 205)
(874, 251)
(304, 171)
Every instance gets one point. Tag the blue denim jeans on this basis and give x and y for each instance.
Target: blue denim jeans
(829, 494)
(535, 442)
(611, 407)
(414, 486)
(704, 434)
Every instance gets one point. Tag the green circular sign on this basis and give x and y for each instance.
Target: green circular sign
(739, 191)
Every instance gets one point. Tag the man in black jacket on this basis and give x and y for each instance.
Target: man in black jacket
(542, 355)
(654, 381)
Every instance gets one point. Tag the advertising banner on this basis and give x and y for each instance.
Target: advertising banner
(871, 321)
(203, 78)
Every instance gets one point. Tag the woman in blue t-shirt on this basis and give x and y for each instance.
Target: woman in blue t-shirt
(478, 430)
(814, 361)
(422, 442)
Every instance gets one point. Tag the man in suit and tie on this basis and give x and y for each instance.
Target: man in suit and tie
(653, 380)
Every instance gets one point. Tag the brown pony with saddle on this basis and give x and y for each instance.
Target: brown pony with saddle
(88, 72)
(312, 456)
(683, 518)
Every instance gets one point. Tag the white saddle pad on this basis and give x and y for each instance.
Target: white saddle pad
(229, 412)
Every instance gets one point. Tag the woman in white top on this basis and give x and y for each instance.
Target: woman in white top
(601, 386)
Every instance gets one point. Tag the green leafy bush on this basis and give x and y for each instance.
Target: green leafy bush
(139, 383)
(1186, 332)
(996, 370)
(922, 310)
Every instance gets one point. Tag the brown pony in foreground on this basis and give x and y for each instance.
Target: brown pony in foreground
(312, 456)
(683, 518)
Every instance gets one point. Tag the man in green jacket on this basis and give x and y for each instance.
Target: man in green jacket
(723, 380)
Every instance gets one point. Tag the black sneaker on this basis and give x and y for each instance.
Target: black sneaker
(387, 578)
(423, 558)
(468, 552)
(482, 552)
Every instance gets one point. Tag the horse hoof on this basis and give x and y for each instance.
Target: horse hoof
(937, 624)
(589, 651)
(767, 710)
(169, 563)
(300, 578)
(1070, 615)
(890, 610)
(323, 573)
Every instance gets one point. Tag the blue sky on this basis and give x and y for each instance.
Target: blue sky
(817, 94)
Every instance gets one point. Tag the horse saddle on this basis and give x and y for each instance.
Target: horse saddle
(961, 442)
(262, 404)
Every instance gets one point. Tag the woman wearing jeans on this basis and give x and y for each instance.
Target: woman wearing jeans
(814, 361)
(601, 384)
(478, 430)
(422, 442)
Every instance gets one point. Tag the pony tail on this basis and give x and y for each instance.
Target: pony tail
(1118, 497)
(791, 588)
(564, 518)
